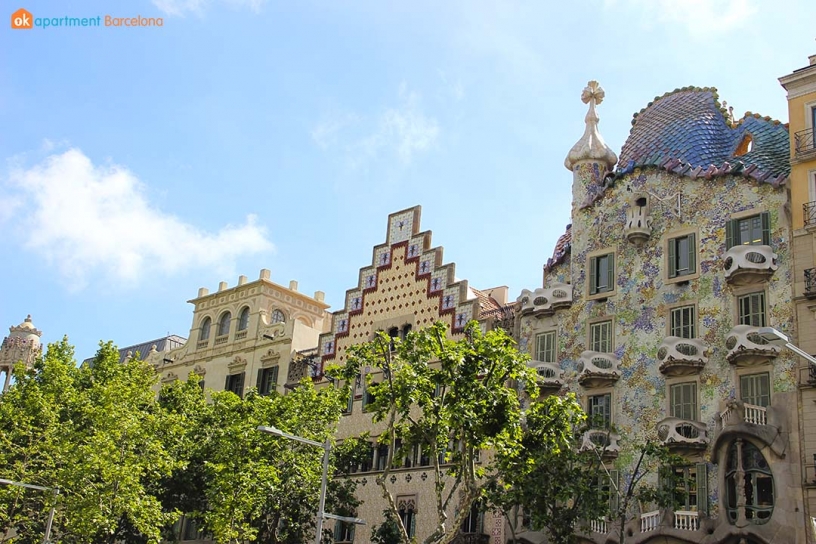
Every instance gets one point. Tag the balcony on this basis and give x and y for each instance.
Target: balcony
(681, 356)
(599, 526)
(471, 538)
(809, 215)
(603, 440)
(682, 434)
(742, 412)
(746, 347)
(596, 369)
(686, 521)
(804, 143)
(649, 521)
(545, 301)
(638, 227)
(810, 283)
(747, 265)
(550, 376)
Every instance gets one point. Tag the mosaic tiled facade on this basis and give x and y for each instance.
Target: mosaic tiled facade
(666, 345)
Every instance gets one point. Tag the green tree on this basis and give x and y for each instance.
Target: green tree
(387, 532)
(548, 476)
(451, 398)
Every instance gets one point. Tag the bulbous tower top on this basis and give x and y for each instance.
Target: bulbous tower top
(591, 146)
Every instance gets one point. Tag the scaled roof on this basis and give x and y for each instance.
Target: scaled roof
(688, 132)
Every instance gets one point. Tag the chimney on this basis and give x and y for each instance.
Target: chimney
(293, 285)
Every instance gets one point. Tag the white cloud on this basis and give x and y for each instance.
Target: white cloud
(403, 130)
(182, 7)
(86, 219)
(698, 17)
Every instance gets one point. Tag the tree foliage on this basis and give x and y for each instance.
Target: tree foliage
(128, 463)
(454, 399)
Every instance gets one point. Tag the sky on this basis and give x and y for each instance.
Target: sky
(138, 164)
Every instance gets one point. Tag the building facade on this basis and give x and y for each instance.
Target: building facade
(21, 345)
(650, 311)
(801, 88)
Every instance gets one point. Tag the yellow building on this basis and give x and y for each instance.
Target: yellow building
(801, 88)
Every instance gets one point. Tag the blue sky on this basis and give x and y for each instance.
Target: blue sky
(139, 164)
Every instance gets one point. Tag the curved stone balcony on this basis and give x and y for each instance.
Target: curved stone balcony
(603, 440)
(682, 433)
(746, 265)
(596, 369)
(681, 356)
(746, 347)
(550, 375)
(638, 227)
(546, 300)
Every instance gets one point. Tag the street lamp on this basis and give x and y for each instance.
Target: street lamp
(321, 513)
(47, 535)
(776, 338)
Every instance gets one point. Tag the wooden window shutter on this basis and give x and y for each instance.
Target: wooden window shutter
(730, 234)
(610, 273)
(614, 483)
(692, 249)
(259, 383)
(702, 488)
(672, 257)
(765, 217)
(227, 383)
(593, 275)
(240, 387)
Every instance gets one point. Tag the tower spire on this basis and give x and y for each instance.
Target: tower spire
(591, 146)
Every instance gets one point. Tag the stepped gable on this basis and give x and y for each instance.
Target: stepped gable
(688, 132)
(406, 283)
(562, 249)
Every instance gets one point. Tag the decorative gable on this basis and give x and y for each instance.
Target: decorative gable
(406, 283)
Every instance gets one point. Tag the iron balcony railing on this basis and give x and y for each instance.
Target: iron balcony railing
(809, 213)
(810, 282)
(804, 141)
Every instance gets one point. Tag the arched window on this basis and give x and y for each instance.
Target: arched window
(243, 320)
(278, 317)
(748, 477)
(224, 324)
(204, 332)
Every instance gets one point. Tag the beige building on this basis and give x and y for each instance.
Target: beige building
(801, 88)
(245, 336)
(21, 345)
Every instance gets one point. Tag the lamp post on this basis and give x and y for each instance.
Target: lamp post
(321, 513)
(50, 520)
(777, 338)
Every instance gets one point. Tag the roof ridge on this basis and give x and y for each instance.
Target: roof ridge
(767, 118)
(689, 88)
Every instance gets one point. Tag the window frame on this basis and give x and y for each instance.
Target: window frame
(592, 342)
(741, 318)
(243, 319)
(672, 328)
(733, 229)
(552, 336)
(205, 328)
(263, 381)
(594, 289)
(684, 388)
(757, 378)
(224, 322)
(671, 273)
(236, 378)
(605, 417)
(273, 316)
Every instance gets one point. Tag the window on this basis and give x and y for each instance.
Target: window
(368, 461)
(754, 487)
(382, 456)
(243, 320)
(545, 347)
(599, 410)
(393, 333)
(405, 330)
(601, 274)
(407, 513)
(682, 256)
(204, 332)
(752, 309)
(224, 324)
(267, 380)
(607, 487)
(756, 389)
(752, 231)
(600, 337)
(343, 532)
(278, 317)
(474, 522)
(368, 396)
(691, 488)
(235, 383)
(684, 401)
(683, 322)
